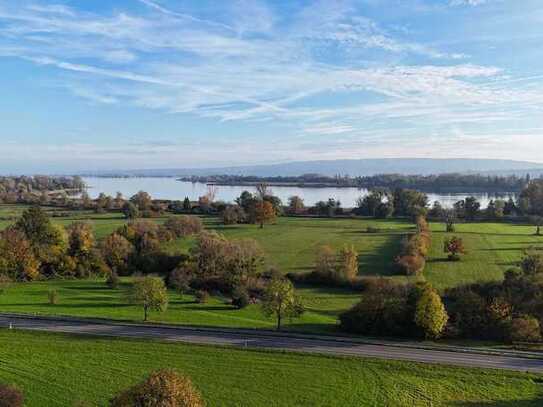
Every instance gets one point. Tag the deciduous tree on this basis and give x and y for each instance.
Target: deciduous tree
(149, 292)
(281, 301)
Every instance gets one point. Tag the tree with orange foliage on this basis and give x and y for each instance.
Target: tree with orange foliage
(264, 213)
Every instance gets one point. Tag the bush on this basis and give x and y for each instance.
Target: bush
(10, 396)
(53, 297)
(202, 296)
(164, 388)
(372, 229)
(185, 225)
(240, 298)
(525, 329)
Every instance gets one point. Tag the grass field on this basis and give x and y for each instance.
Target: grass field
(290, 245)
(58, 370)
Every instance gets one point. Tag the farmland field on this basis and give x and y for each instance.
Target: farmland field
(290, 245)
(229, 377)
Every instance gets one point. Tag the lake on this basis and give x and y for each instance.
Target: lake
(170, 188)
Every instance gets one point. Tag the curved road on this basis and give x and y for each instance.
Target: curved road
(243, 339)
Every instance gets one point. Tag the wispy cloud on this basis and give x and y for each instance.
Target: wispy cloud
(328, 69)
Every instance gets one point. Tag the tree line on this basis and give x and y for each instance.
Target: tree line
(451, 182)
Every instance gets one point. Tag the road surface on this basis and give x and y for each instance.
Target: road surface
(257, 340)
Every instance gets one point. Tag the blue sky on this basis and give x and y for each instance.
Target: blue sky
(171, 83)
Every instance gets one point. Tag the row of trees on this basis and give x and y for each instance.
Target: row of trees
(414, 249)
(435, 183)
(509, 310)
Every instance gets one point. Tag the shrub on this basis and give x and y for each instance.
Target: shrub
(525, 329)
(454, 246)
(240, 298)
(53, 297)
(372, 229)
(10, 396)
(202, 296)
(163, 388)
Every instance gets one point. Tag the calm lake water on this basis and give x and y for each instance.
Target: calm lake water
(170, 188)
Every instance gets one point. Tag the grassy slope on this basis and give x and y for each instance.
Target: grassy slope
(94, 369)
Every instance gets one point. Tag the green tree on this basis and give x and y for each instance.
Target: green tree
(430, 314)
(149, 292)
(295, 204)
(130, 211)
(187, 206)
(281, 301)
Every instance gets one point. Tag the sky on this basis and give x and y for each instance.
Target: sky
(133, 84)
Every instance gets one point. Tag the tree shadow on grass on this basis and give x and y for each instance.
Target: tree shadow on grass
(211, 308)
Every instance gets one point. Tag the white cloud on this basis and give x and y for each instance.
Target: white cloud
(258, 67)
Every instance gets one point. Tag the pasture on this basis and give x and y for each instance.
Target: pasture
(48, 368)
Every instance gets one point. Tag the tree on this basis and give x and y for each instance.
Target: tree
(525, 329)
(185, 225)
(372, 204)
(325, 263)
(537, 221)
(295, 204)
(80, 239)
(281, 301)
(142, 200)
(187, 206)
(37, 227)
(454, 246)
(262, 190)
(471, 208)
(10, 396)
(408, 202)
(130, 211)
(449, 218)
(347, 264)
(531, 198)
(532, 262)
(233, 214)
(17, 259)
(149, 292)
(430, 314)
(264, 213)
(116, 250)
(163, 388)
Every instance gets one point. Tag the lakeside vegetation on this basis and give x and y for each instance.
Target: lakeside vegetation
(428, 183)
(230, 377)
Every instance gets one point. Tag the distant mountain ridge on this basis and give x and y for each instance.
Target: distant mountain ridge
(351, 167)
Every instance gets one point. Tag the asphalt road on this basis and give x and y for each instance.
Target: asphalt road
(267, 341)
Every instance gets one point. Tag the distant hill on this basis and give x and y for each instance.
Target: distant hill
(420, 166)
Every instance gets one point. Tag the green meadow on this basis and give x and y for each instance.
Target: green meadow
(290, 246)
(61, 370)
